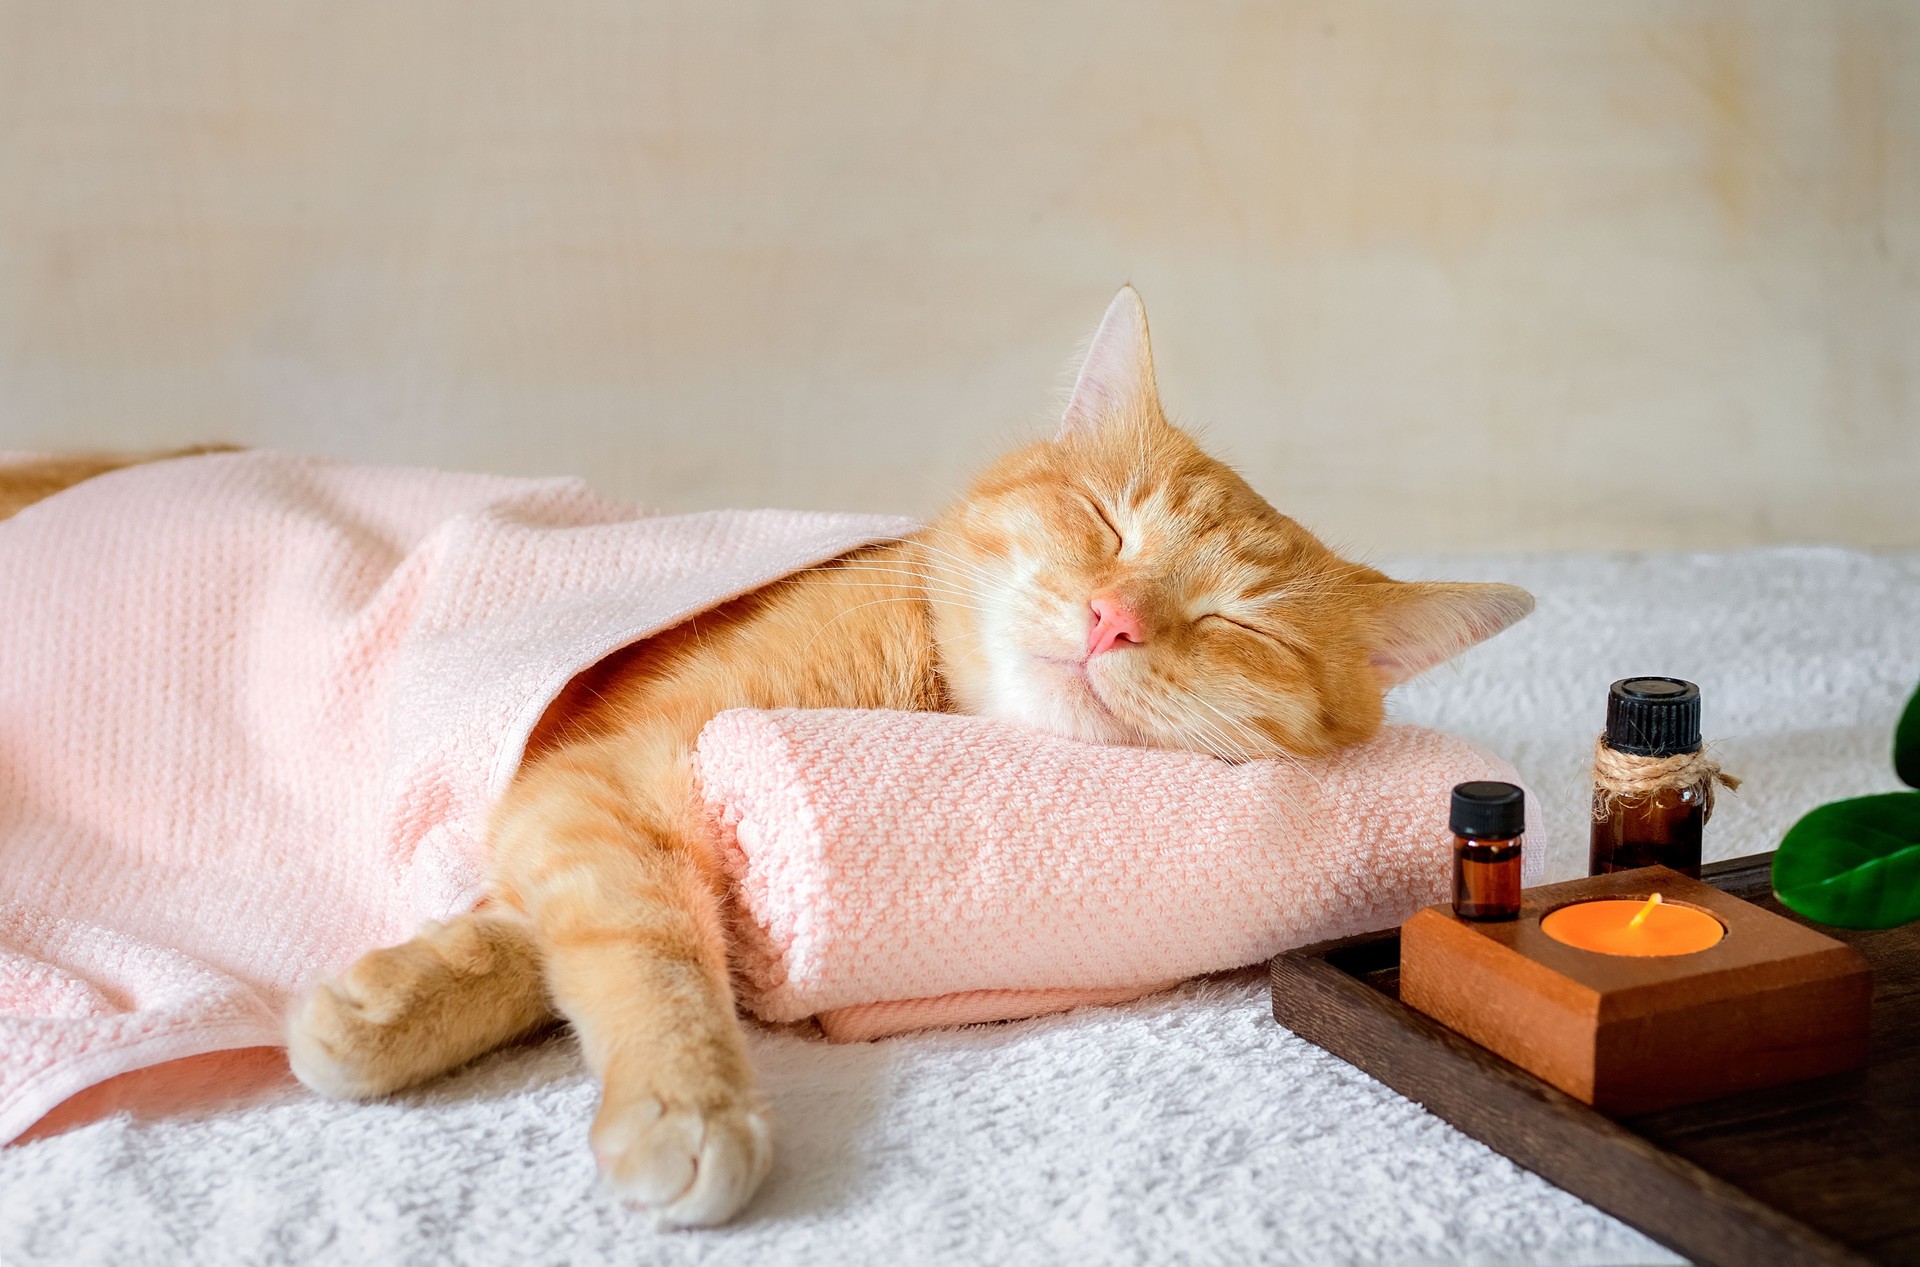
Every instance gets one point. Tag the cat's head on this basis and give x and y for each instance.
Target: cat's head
(1116, 584)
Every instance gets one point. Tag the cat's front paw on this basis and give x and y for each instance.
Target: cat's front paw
(693, 1167)
(341, 1038)
(403, 1014)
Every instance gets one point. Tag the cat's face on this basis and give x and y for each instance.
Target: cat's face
(1118, 585)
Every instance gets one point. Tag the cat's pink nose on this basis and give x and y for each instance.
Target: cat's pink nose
(1113, 623)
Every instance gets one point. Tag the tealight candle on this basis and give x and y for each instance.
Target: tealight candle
(1627, 927)
(1634, 1004)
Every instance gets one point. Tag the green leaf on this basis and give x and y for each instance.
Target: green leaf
(1906, 743)
(1854, 864)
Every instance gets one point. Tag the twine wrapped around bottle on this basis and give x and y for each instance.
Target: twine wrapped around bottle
(1629, 776)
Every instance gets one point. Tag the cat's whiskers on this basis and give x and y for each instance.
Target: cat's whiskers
(947, 593)
(1256, 742)
(965, 583)
(923, 587)
(946, 588)
(871, 565)
(1210, 741)
(1245, 733)
(950, 599)
(1267, 749)
(1219, 742)
(839, 615)
(1216, 744)
(1158, 720)
(959, 570)
(972, 566)
(919, 579)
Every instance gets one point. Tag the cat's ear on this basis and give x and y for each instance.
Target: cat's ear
(1116, 379)
(1418, 624)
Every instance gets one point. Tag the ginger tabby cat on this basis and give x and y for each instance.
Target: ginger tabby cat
(1114, 584)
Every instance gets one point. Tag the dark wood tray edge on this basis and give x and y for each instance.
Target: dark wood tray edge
(1537, 1126)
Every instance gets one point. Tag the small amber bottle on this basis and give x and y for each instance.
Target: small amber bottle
(1647, 808)
(1489, 822)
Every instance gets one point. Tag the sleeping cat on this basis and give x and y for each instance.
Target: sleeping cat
(1114, 584)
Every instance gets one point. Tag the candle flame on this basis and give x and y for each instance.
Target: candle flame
(1640, 917)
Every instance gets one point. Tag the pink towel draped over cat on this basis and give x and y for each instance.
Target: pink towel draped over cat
(896, 871)
(254, 708)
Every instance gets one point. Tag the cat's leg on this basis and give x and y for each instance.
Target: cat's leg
(602, 846)
(403, 1014)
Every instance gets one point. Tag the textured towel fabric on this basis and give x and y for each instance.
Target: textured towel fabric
(905, 870)
(253, 709)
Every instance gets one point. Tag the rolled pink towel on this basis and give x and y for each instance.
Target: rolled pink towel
(898, 871)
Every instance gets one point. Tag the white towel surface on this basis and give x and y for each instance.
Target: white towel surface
(1186, 1127)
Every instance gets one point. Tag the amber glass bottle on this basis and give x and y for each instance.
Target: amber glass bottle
(1489, 822)
(1653, 719)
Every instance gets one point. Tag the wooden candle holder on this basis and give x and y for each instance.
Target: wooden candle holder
(1772, 1002)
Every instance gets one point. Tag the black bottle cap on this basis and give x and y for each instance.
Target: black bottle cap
(1488, 811)
(1653, 716)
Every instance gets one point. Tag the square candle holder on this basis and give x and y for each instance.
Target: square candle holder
(1772, 1001)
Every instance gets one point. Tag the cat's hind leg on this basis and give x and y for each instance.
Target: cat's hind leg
(403, 1014)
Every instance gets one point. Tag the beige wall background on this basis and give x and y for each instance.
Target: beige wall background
(1502, 273)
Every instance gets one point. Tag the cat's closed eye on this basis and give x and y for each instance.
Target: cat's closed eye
(1106, 521)
(1241, 626)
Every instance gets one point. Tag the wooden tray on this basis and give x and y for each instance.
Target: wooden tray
(1826, 1171)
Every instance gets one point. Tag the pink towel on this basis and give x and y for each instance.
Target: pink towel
(254, 708)
(896, 871)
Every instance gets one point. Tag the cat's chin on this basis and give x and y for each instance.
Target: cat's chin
(1058, 695)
